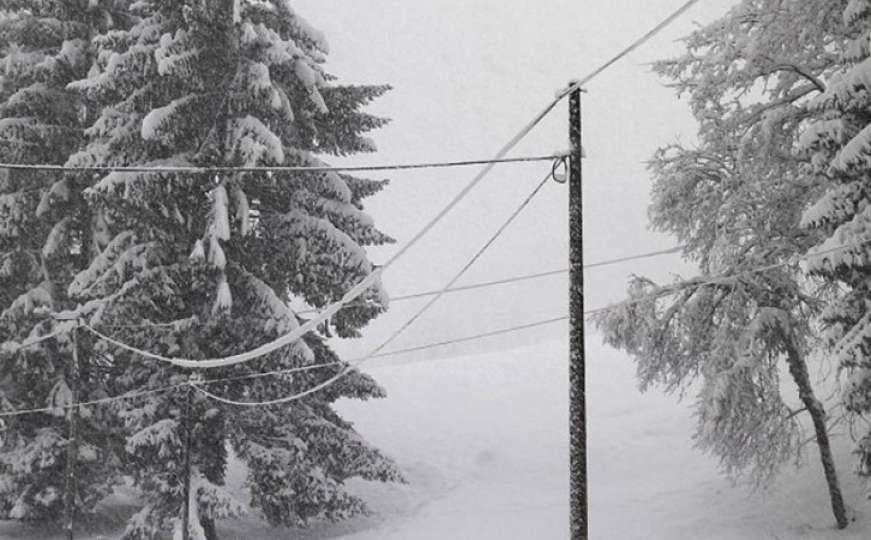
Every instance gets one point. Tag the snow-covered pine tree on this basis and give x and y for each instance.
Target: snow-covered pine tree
(838, 141)
(220, 258)
(735, 202)
(45, 235)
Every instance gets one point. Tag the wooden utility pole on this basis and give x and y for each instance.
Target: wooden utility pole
(577, 403)
(70, 480)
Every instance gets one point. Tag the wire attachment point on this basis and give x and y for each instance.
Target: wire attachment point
(560, 177)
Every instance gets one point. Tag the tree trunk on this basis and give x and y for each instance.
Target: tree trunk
(208, 525)
(798, 370)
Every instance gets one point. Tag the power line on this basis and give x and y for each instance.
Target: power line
(699, 282)
(397, 352)
(619, 56)
(15, 347)
(101, 401)
(628, 258)
(461, 288)
(401, 298)
(472, 338)
(413, 296)
(525, 277)
(140, 325)
(481, 285)
(277, 168)
(500, 156)
(416, 315)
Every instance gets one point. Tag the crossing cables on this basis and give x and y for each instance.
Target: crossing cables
(351, 365)
(326, 312)
(670, 289)
(356, 291)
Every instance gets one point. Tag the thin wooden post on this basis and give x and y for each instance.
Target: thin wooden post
(70, 480)
(577, 407)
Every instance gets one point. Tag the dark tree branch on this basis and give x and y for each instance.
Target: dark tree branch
(796, 69)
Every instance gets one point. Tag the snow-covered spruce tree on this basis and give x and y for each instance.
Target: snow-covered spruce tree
(838, 141)
(735, 202)
(219, 258)
(45, 239)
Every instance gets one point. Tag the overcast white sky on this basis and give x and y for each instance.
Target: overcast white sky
(467, 75)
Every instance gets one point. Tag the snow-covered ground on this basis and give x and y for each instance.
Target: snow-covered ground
(647, 482)
(483, 440)
(487, 434)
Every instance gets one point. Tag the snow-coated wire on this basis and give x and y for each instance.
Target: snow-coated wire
(333, 308)
(64, 327)
(323, 314)
(277, 168)
(470, 287)
(396, 352)
(371, 278)
(130, 395)
(402, 298)
(475, 337)
(31, 342)
(526, 277)
(635, 44)
(698, 282)
(461, 288)
(350, 365)
(197, 385)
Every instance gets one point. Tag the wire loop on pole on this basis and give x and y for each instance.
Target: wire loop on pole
(560, 178)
